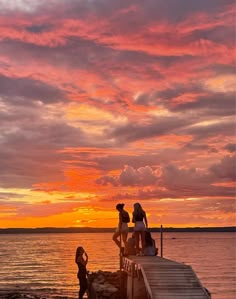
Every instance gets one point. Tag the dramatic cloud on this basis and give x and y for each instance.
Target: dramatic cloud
(171, 181)
(226, 168)
(19, 90)
(102, 101)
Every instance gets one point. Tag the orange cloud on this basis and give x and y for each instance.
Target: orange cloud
(117, 103)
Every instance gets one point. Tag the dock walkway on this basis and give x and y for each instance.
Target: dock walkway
(163, 278)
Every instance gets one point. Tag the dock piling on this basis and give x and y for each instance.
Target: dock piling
(161, 236)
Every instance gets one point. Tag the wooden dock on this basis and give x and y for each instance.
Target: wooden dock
(153, 277)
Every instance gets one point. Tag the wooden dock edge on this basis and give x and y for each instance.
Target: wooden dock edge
(134, 270)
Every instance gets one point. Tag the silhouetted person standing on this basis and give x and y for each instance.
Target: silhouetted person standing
(81, 259)
(140, 226)
(122, 225)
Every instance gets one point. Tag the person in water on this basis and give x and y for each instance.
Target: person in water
(81, 259)
(122, 229)
(140, 226)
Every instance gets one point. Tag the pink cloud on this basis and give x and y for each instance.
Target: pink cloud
(159, 78)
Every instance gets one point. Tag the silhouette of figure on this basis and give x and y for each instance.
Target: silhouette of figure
(140, 226)
(150, 245)
(81, 259)
(122, 228)
(130, 246)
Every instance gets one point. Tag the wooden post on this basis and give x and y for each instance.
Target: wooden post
(161, 241)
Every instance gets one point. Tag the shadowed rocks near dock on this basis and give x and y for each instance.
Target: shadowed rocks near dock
(105, 284)
(101, 284)
(16, 295)
(28, 294)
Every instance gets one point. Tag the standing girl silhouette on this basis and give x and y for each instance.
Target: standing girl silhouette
(81, 259)
(140, 226)
(122, 225)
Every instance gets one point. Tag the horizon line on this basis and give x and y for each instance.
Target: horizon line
(97, 228)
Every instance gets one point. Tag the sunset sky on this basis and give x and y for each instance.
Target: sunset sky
(105, 102)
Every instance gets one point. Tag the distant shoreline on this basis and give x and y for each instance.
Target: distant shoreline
(44, 230)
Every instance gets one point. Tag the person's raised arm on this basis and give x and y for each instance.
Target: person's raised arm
(81, 260)
(86, 258)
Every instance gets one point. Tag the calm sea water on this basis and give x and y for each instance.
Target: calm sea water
(45, 262)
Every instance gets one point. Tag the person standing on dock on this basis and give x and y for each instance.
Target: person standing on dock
(81, 259)
(140, 226)
(122, 229)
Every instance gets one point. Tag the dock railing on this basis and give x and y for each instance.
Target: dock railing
(135, 271)
(148, 289)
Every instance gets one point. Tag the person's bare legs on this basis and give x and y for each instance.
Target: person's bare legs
(124, 237)
(143, 240)
(115, 239)
(136, 236)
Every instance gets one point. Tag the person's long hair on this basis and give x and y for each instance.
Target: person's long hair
(138, 210)
(148, 239)
(79, 252)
